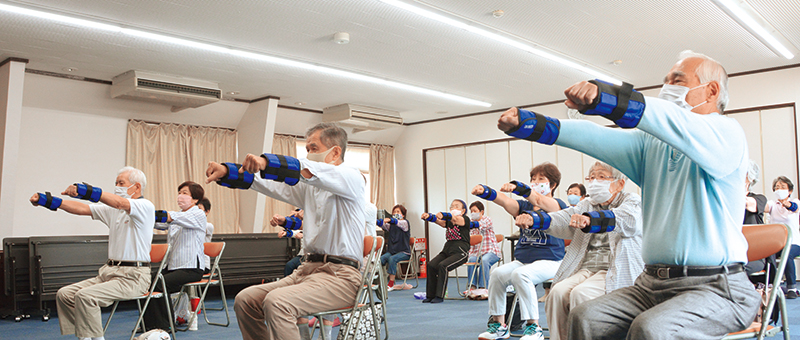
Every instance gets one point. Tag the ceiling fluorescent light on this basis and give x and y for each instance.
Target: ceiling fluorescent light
(516, 43)
(753, 22)
(237, 52)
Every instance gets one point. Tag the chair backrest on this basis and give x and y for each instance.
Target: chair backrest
(158, 252)
(411, 242)
(764, 240)
(475, 239)
(567, 242)
(213, 249)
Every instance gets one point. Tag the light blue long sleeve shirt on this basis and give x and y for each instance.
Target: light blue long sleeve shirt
(691, 169)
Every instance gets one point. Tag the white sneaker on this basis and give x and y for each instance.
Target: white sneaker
(495, 331)
(532, 332)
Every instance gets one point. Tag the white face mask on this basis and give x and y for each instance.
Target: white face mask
(676, 94)
(455, 212)
(319, 157)
(542, 188)
(122, 191)
(599, 191)
(781, 194)
(473, 216)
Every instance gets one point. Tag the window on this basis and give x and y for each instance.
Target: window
(355, 157)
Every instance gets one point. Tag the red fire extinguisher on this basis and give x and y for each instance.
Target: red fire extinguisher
(423, 267)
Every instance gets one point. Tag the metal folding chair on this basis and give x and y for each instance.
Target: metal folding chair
(158, 253)
(410, 263)
(365, 299)
(213, 278)
(763, 241)
(473, 240)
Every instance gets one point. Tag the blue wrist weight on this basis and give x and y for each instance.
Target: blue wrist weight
(474, 224)
(293, 223)
(446, 216)
(618, 103)
(88, 192)
(289, 233)
(161, 216)
(601, 221)
(488, 194)
(792, 207)
(281, 168)
(393, 220)
(522, 189)
(536, 127)
(48, 201)
(431, 217)
(234, 179)
(541, 220)
(379, 222)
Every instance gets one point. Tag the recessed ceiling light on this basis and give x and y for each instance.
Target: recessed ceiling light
(69, 69)
(128, 31)
(498, 13)
(299, 103)
(233, 93)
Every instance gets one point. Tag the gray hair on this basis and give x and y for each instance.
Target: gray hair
(752, 172)
(615, 174)
(330, 135)
(710, 70)
(134, 175)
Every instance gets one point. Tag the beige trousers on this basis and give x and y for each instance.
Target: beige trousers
(568, 294)
(313, 287)
(79, 304)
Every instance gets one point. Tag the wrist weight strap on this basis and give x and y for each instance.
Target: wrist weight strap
(293, 223)
(88, 192)
(289, 233)
(431, 217)
(522, 189)
(446, 216)
(541, 219)
(474, 224)
(161, 216)
(792, 207)
(536, 128)
(393, 220)
(488, 194)
(234, 179)
(618, 103)
(281, 168)
(47, 200)
(601, 221)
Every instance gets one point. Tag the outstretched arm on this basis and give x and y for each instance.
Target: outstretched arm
(72, 207)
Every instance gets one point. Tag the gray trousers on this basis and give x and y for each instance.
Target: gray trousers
(696, 307)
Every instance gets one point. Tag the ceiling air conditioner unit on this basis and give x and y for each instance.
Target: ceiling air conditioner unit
(362, 118)
(179, 92)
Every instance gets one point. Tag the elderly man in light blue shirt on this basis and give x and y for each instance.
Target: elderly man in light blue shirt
(690, 162)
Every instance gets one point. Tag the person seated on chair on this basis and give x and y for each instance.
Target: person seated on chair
(576, 192)
(754, 209)
(332, 197)
(784, 209)
(537, 254)
(488, 248)
(398, 239)
(126, 275)
(453, 254)
(205, 206)
(605, 253)
(186, 231)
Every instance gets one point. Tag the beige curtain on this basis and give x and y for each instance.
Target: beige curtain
(170, 154)
(381, 176)
(287, 146)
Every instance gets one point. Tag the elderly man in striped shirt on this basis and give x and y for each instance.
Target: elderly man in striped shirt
(606, 248)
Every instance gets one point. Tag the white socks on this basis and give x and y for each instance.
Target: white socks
(99, 338)
(305, 332)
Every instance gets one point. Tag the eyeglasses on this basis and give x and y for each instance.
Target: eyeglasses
(599, 178)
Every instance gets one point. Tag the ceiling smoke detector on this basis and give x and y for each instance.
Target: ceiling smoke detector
(498, 13)
(341, 38)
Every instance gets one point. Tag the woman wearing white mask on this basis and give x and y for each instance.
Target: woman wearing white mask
(186, 233)
(488, 248)
(784, 210)
(455, 250)
(398, 236)
(598, 260)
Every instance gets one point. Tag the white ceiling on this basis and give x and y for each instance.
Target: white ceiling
(390, 43)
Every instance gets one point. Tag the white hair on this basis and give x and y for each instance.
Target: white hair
(615, 174)
(752, 172)
(710, 70)
(134, 175)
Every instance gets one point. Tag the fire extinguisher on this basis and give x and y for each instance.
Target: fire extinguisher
(423, 267)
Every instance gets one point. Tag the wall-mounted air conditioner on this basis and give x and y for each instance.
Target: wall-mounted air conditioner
(362, 118)
(179, 92)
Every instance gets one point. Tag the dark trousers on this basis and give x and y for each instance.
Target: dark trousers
(292, 265)
(155, 317)
(791, 275)
(452, 256)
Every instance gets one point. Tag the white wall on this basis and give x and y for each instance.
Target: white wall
(762, 89)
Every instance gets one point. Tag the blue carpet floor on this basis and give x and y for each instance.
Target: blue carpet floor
(408, 319)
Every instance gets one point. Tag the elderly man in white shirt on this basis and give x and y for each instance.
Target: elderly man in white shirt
(333, 232)
(130, 220)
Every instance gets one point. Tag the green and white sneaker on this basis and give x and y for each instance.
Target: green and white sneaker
(495, 331)
(532, 332)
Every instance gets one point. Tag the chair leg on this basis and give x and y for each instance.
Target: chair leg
(113, 309)
(140, 320)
